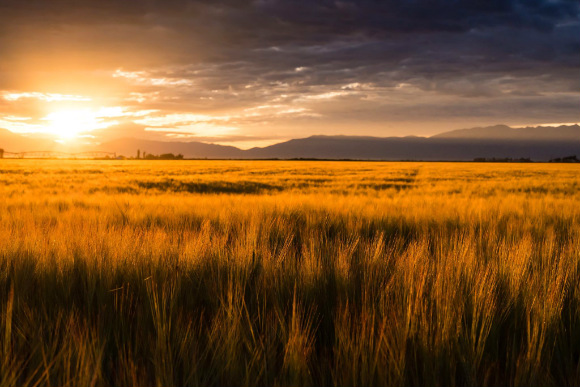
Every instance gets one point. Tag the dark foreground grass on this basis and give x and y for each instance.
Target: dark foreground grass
(454, 283)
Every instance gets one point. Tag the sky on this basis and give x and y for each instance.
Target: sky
(252, 73)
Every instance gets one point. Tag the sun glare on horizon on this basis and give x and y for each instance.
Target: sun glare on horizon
(68, 124)
(72, 123)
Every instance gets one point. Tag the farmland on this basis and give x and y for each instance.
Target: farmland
(276, 273)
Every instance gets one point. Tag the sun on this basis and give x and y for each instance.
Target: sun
(73, 123)
(69, 124)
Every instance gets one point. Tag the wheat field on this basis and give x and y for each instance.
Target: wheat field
(288, 273)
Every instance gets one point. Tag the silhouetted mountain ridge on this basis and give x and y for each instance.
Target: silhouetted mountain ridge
(504, 132)
(498, 141)
(14, 142)
(193, 149)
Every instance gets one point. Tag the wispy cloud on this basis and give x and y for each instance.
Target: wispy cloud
(144, 78)
(48, 97)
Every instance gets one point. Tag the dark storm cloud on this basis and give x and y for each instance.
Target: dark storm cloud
(243, 25)
(374, 57)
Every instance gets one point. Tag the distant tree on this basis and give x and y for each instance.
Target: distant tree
(138, 153)
(1, 153)
(568, 159)
(164, 156)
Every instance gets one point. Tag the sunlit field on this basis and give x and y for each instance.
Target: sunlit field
(288, 273)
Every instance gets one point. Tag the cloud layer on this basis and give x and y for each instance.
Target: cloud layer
(274, 69)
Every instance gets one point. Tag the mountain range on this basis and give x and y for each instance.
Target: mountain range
(539, 143)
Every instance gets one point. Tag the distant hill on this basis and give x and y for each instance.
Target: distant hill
(345, 147)
(503, 132)
(499, 142)
(129, 147)
(18, 143)
(418, 148)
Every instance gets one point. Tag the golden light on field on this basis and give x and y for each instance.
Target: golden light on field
(213, 261)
